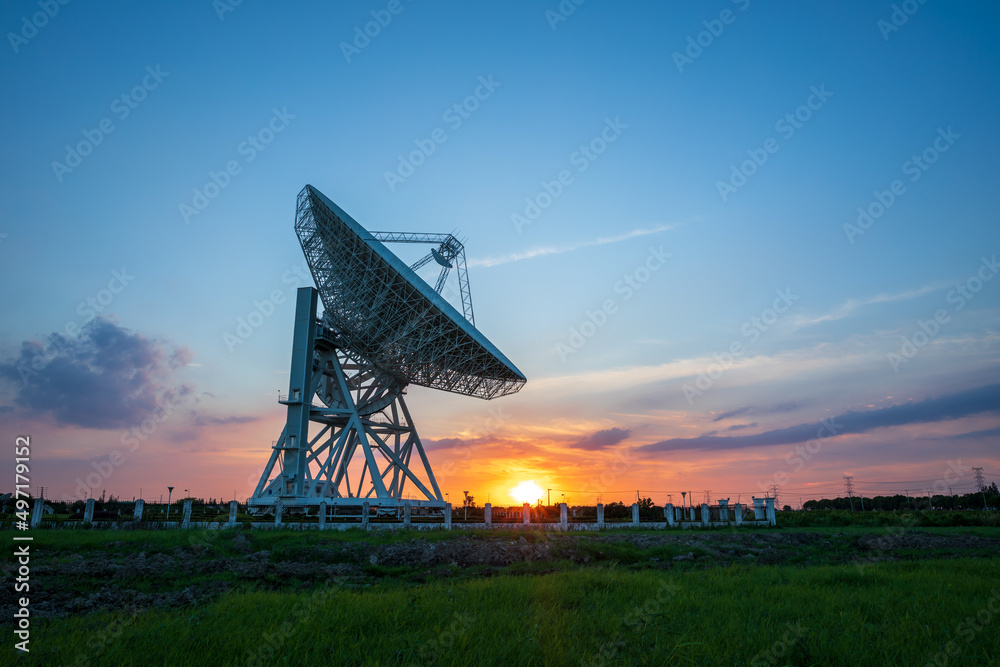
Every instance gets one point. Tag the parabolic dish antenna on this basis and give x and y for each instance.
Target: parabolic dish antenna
(383, 328)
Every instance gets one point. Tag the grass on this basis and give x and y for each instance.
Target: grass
(892, 613)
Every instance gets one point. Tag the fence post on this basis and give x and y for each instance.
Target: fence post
(37, 512)
(88, 511)
(769, 508)
(322, 514)
(738, 508)
(704, 514)
(365, 509)
(635, 514)
(140, 505)
(234, 507)
(186, 522)
(724, 509)
(406, 514)
(488, 515)
(526, 514)
(600, 515)
(447, 516)
(668, 512)
(562, 515)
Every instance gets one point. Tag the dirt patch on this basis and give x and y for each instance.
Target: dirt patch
(70, 583)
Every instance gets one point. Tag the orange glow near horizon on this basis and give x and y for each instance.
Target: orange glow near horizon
(527, 492)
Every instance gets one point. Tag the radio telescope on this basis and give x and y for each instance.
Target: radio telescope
(348, 436)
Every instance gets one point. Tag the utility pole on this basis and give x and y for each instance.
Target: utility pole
(849, 485)
(466, 505)
(548, 497)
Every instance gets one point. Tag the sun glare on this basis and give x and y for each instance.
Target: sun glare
(527, 492)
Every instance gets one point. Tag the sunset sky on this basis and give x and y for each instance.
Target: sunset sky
(730, 244)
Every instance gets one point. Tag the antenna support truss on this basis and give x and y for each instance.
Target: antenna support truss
(449, 253)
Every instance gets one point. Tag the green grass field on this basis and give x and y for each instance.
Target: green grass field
(885, 614)
(795, 596)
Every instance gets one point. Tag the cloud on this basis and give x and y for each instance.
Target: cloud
(740, 427)
(732, 413)
(105, 378)
(851, 305)
(569, 247)
(988, 433)
(202, 420)
(942, 408)
(444, 443)
(734, 427)
(781, 407)
(602, 439)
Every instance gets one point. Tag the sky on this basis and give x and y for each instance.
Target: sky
(730, 244)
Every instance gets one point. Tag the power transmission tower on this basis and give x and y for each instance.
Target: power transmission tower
(708, 497)
(980, 483)
(774, 494)
(849, 485)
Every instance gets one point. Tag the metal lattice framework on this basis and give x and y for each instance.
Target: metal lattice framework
(382, 328)
(450, 253)
(389, 315)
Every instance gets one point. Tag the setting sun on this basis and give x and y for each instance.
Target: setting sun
(527, 492)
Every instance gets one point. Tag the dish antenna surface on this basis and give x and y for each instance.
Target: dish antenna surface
(382, 328)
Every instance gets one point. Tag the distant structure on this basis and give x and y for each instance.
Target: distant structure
(849, 487)
(382, 329)
(980, 480)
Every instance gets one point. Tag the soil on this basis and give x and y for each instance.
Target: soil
(68, 583)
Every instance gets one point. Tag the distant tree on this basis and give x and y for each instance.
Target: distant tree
(645, 503)
(786, 508)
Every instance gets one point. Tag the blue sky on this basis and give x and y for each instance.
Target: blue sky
(554, 87)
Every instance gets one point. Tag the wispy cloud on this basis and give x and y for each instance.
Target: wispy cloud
(602, 439)
(941, 408)
(850, 306)
(542, 251)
